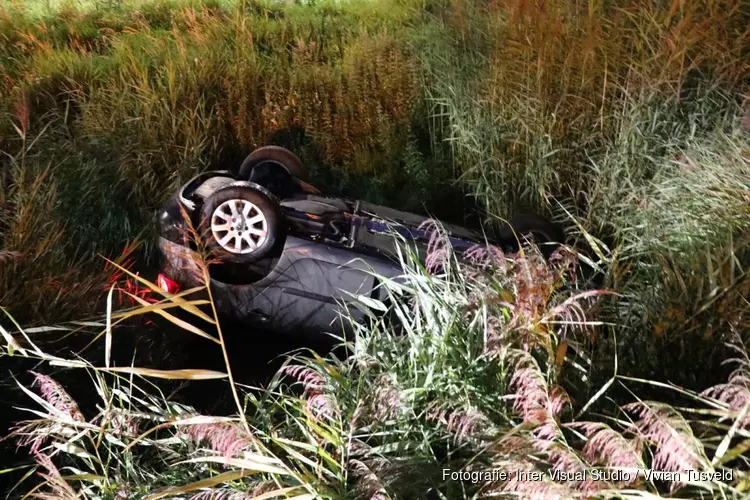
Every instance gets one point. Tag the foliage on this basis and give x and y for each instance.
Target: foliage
(626, 121)
(599, 110)
(460, 370)
(630, 118)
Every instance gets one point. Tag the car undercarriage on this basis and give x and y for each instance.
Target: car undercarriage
(282, 254)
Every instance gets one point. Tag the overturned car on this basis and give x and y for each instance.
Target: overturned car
(289, 259)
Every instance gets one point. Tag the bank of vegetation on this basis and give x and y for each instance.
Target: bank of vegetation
(628, 123)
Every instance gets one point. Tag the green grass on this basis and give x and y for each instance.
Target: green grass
(629, 123)
(589, 108)
(457, 380)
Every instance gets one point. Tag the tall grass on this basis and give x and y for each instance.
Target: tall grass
(626, 121)
(588, 106)
(568, 101)
(462, 372)
(630, 118)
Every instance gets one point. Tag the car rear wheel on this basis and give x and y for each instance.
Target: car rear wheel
(540, 231)
(282, 156)
(277, 169)
(242, 223)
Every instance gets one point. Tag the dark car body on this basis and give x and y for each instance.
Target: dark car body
(332, 251)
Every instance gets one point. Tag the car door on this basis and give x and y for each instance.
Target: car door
(322, 284)
(310, 290)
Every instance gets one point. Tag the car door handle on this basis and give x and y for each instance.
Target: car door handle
(310, 295)
(260, 315)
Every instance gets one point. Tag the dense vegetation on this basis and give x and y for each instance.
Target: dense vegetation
(626, 121)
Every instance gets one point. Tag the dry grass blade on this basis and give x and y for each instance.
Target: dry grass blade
(155, 307)
(84, 477)
(737, 451)
(676, 388)
(159, 308)
(603, 388)
(173, 319)
(195, 420)
(724, 445)
(197, 485)
(10, 339)
(108, 335)
(167, 303)
(177, 298)
(282, 492)
(184, 374)
(11, 343)
(261, 464)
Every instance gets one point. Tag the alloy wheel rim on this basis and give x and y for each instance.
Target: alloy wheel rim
(239, 226)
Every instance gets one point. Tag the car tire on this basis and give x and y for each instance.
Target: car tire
(242, 223)
(275, 168)
(278, 155)
(544, 233)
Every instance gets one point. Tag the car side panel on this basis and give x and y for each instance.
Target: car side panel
(314, 294)
(319, 282)
(304, 292)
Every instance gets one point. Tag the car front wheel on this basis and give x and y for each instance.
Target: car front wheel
(242, 223)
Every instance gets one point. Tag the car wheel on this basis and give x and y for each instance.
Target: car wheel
(542, 232)
(277, 169)
(274, 177)
(242, 223)
(281, 156)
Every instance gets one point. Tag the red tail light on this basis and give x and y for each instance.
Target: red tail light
(167, 284)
